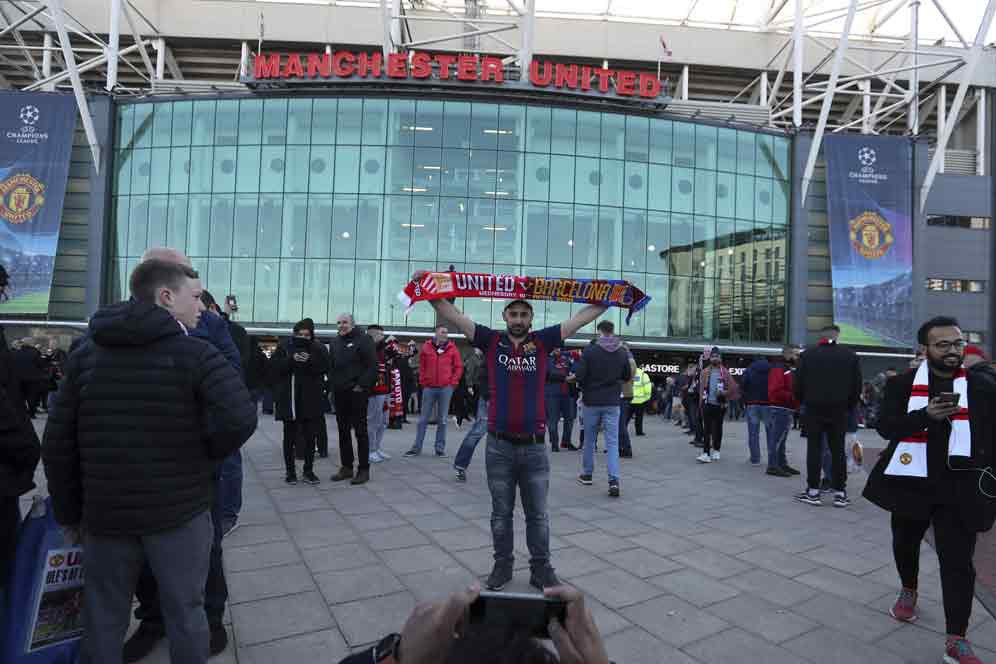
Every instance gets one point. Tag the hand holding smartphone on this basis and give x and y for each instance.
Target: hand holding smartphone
(524, 612)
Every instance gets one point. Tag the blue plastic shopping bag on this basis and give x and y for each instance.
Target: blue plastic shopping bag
(41, 615)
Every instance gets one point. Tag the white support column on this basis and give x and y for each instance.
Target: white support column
(821, 125)
(966, 77)
(113, 44)
(244, 60)
(913, 115)
(160, 46)
(684, 83)
(981, 119)
(47, 61)
(866, 105)
(798, 46)
(763, 86)
(385, 18)
(58, 18)
(942, 119)
(138, 40)
(527, 31)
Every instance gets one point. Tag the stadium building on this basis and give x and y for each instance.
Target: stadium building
(309, 156)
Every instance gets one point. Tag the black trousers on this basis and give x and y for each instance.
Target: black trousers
(322, 436)
(215, 590)
(712, 427)
(638, 409)
(351, 414)
(955, 549)
(10, 519)
(834, 425)
(300, 435)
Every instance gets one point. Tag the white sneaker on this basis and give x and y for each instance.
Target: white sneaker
(384, 456)
(375, 458)
(704, 458)
(715, 455)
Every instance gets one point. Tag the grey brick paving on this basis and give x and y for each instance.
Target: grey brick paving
(695, 563)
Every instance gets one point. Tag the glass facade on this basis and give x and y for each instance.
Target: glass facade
(315, 206)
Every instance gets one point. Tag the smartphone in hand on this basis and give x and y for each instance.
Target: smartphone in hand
(523, 612)
(953, 398)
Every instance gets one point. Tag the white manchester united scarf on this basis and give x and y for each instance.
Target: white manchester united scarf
(910, 457)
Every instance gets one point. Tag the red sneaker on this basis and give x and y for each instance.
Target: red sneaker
(905, 607)
(957, 650)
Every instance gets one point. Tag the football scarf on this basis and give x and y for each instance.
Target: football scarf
(910, 456)
(444, 285)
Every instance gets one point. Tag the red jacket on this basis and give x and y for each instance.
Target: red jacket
(439, 367)
(780, 392)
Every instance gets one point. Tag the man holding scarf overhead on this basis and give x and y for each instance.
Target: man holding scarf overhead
(516, 457)
(939, 419)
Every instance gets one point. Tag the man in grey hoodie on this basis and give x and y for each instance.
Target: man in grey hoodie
(603, 367)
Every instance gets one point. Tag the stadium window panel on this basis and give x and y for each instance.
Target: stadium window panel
(956, 285)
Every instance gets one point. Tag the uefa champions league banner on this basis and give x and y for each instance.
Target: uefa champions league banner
(36, 140)
(869, 207)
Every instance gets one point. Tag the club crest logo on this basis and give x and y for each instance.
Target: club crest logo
(871, 235)
(56, 560)
(906, 458)
(21, 197)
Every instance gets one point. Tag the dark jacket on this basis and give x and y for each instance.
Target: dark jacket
(19, 447)
(140, 423)
(214, 329)
(603, 367)
(29, 365)
(256, 367)
(556, 374)
(354, 360)
(828, 379)
(240, 338)
(913, 497)
(756, 383)
(298, 387)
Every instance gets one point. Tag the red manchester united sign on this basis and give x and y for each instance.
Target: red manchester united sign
(469, 69)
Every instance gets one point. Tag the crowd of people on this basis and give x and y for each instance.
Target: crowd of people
(173, 364)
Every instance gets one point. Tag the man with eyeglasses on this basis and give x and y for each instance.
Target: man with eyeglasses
(828, 385)
(932, 472)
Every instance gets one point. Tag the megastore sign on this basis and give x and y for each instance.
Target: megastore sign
(342, 66)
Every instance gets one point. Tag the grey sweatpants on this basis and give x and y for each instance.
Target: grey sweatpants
(179, 560)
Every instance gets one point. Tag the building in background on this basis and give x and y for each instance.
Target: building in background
(310, 157)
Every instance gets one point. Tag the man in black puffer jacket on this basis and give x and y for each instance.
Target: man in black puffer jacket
(141, 421)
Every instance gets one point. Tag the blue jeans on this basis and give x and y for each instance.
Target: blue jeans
(376, 421)
(667, 408)
(557, 406)
(230, 488)
(608, 417)
(473, 437)
(756, 414)
(527, 467)
(777, 428)
(430, 397)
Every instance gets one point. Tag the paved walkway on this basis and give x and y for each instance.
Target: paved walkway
(694, 563)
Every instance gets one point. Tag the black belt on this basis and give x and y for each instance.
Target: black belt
(520, 439)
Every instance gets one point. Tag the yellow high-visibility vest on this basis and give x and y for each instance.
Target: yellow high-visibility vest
(643, 387)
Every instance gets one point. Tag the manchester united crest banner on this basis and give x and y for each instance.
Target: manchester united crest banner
(36, 139)
(869, 204)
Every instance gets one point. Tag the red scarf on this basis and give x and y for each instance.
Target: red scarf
(446, 285)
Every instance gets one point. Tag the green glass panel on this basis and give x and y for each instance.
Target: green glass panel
(565, 125)
(705, 192)
(480, 230)
(201, 168)
(535, 224)
(765, 158)
(222, 225)
(659, 187)
(510, 174)
(244, 287)
(199, 226)
(585, 237)
(122, 172)
(158, 213)
(610, 190)
(726, 150)
(427, 171)
(397, 227)
(266, 290)
(745, 152)
(762, 209)
(610, 238)
(143, 125)
(684, 144)
(274, 121)
(375, 113)
(298, 167)
(247, 175)
(162, 129)
(223, 178)
(745, 197)
(483, 175)
(456, 124)
(271, 213)
(159, 179)
(369, 225)
(176, 221)
(539, 129)
(424, 230)
(658, 242)
(637, 147)
(246, 212)
(400, 171)
(272, 167)
(705, 147)
(316, 285)
(299, 115)
(726, 188)
(295, 227)
(511, 127)
(589, 133)
(429, 123)
(202, 132)
(349, 121)
(141, 171)
(586, 180)
(483, 126)
(508, 232)
(344, 230)
(683, 190)
(341, 285)
(321, 169)
(537, 177)
(347, 170)
(290, 295)
(319, 237)
(138, 226)
(226, 126)
(250, 122)
(661, 141)
(323, 121)
(562, 178)
(182, 122)
(452, 242)
(125, 129)
(455, 170)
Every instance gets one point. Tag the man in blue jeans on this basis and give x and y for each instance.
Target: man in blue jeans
(755, 393)
(780, 412)
(558, 400)
(473, 437)
(601, 371)
(440, 368)
(516, 456)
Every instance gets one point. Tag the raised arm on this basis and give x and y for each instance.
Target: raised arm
(450, 313)
(580, 319)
